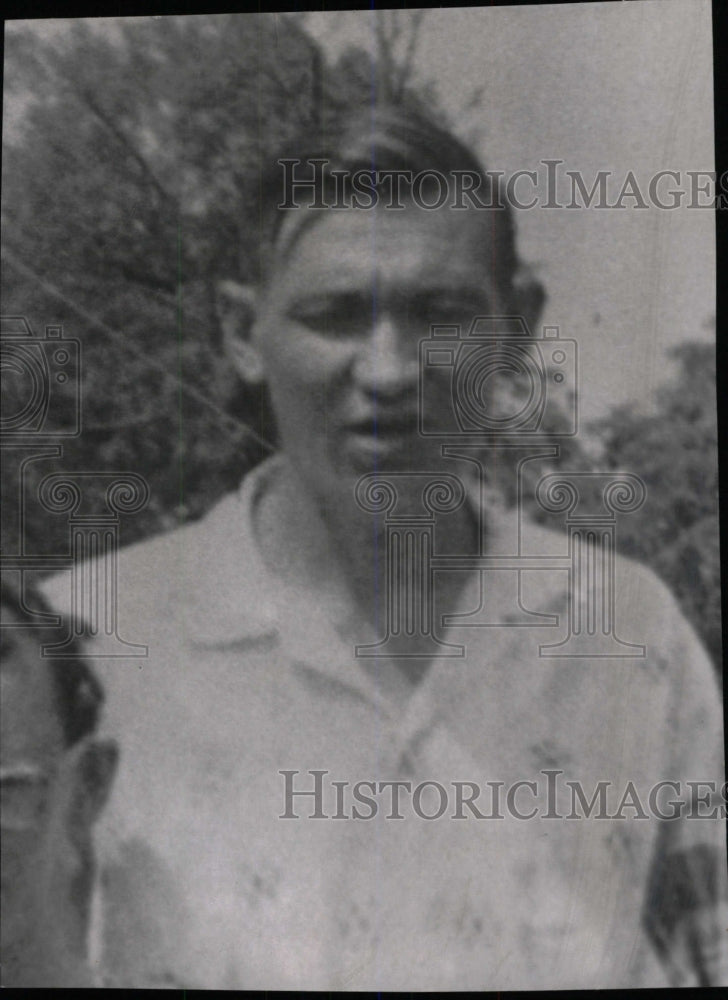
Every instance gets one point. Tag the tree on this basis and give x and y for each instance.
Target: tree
(675, 452)
(129, 187)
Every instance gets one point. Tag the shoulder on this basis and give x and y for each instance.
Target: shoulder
(623, 594)
(154, 573)
(647, 612)
(635, 587)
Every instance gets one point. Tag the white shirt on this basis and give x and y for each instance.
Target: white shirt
(205, 885)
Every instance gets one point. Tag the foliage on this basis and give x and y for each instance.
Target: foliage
(128, 190)
(675, 452)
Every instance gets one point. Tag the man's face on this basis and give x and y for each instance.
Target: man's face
(338, 329)
(44, 861)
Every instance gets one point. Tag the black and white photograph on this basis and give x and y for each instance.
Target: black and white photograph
(361, 593)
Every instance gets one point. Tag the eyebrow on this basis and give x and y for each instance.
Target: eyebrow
(283, 243)
(470, 294)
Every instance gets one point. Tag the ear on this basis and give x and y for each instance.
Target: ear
(95, 770)
(237, 306)
(529, 298)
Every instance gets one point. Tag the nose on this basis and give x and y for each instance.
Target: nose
(387, 364)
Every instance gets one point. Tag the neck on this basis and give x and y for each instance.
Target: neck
(327, 543)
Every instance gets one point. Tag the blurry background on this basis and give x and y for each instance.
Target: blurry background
(131, 156)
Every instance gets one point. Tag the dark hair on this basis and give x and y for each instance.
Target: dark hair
(386, 137)
(78, 693)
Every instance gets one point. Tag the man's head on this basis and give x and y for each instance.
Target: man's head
(344, 295)
(56, 776)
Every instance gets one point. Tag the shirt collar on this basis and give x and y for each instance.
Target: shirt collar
(234, 595)
(237, 601)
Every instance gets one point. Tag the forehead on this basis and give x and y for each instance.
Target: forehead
(30, 726)
(389, 246)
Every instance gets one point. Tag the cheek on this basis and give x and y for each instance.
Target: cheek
(26, 880)
(305, 368)
(18, 872)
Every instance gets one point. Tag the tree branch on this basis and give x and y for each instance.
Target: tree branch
(121, 137)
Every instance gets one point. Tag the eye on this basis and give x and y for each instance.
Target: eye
(335, 316)
(449, 309)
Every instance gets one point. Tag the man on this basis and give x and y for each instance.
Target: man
(254, 707)
(56, 775)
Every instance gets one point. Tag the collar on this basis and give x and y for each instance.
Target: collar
(233, 599)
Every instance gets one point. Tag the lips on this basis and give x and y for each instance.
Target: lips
(390, 440)
(388, 425)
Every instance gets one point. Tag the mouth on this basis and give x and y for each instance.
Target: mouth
(394, 426)
(383, 441)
